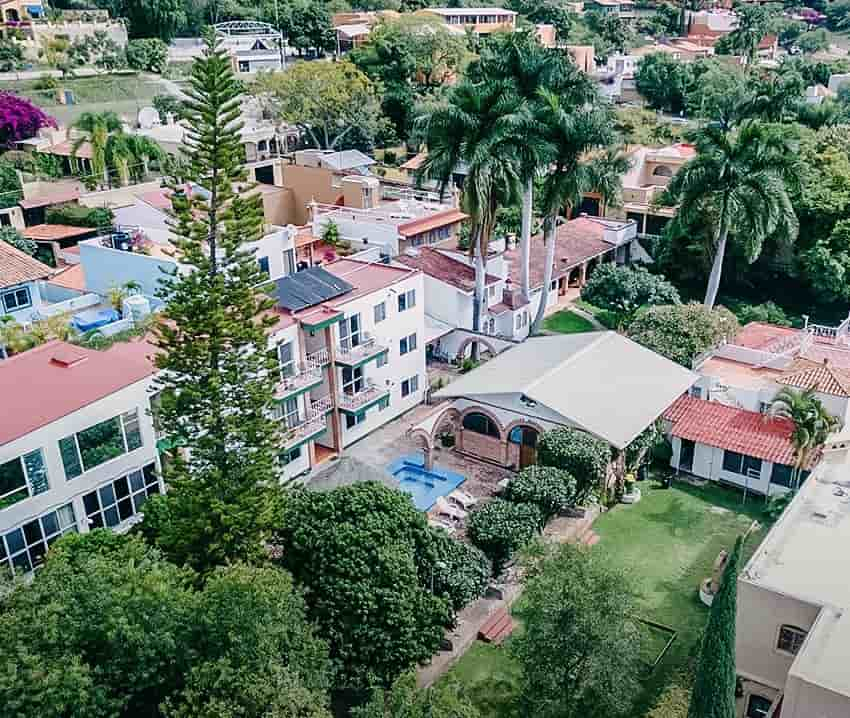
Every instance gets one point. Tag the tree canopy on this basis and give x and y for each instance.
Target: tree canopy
(623, 289)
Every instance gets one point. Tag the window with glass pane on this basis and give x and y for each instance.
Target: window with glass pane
(290, 413)
(287, 457)
(24, 548)
(132, 430)
(352, 380)
(349, 332)
(288, 262)
(382, 360)
(790, 639)
(119, 500)
(380, 312)
(70, 457)
(758, 707)
(13, 482)
(781, 475)
(100, 443)
(286, 358)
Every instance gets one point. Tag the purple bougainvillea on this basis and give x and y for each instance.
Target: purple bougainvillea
(20, 119)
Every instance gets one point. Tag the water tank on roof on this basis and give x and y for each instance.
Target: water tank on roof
(136, 307)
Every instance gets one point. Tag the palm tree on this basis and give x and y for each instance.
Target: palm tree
(583, 158)
(812, 424)
(754, 22)
(112, 148)
(474, 130)
(742, 181)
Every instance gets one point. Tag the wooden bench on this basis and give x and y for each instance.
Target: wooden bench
(497, 627)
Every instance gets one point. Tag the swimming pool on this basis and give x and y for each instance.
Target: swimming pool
(424, 486)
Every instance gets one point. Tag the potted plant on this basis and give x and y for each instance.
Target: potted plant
(631, 493)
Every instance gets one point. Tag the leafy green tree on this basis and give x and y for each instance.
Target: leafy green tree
(12, 236)
(551, 490)
(11, 55)
(838, 15)
(149, 54)
(364, 556)
(217, 380)
(754, 22)
(501, 528)
(681, 332)
(545, 12)
(153, 18)
(623, 289)
(404, 700)
(583, 158)
(11, 191)
(310, 27)
(812, 424)
(613, 33)
(813, 41)
(328, 102)
(459, 571)
(580, 647)
(664, 81)
(719, 93)
(579, 454)
(713, 694)
(741, 181)
(776, 96)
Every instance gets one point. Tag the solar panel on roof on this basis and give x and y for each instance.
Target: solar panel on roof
(308, 288)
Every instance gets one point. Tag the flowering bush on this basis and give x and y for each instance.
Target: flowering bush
(20, 119)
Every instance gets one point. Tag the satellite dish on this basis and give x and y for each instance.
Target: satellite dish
(149, 117)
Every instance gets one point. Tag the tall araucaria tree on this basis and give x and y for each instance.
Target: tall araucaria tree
(20, 119)
(713, 694)
(217, 381)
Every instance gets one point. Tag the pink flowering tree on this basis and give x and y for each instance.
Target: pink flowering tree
(20, 119)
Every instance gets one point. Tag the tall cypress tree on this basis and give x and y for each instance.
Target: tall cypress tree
(216, 381)
(714, 688)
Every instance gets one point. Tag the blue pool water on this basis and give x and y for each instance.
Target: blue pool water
(425, 487)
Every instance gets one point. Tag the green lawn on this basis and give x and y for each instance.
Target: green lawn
(667, 543)
(567, 322)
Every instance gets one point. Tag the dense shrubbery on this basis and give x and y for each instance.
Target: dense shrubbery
(583, 456)
(625, 289)
(500, 528)
(460, 571)
(77, 215)
(550, 489)
(149, 54)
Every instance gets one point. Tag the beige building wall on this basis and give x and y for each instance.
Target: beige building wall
(310, 184)
(760, 615)
(805, 700)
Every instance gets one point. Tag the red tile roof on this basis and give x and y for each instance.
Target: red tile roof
(433, 221)
(17, 267)
(759, 335)
(66, 149)
(72, 277)
(58, 197)
(51, 381)
(733, 429)
(366, 277)
(447, 269)
(415, 162)
(54, 232)
(805, 374)
(577, 241)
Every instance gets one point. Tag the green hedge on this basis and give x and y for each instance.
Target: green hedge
(500, 528)
(550, 489)
(77, 215)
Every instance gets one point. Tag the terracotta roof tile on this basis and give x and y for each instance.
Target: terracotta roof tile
(53, 232)
(66, 149)
(759, 335)
(72, 277)
(58, 197)
(805, 374)
(415, 162)
(432, 221)
(733, 429)
(17, 267)
(436, 264)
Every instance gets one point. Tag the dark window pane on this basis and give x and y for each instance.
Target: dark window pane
(781, 475)
(11, 476)
(96, 521)
(139, 501)
(32, 532)
(732, 462)
(112, 517)
(37, 551)
(107, 495)
(15, 541)
(150, 474)
(22, 562)
(125, 509)
(50, 524)
(90, 503)
(153, 489)
(122, 489)
(100, 443)
(137, 480)
(70, 460)
(2, 548)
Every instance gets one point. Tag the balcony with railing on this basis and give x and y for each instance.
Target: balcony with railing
(307, 375)
(360, 400)
(354, 352)
(315, 421)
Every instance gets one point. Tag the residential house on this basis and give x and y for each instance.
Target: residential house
(598, 382)
(624, 9)
(252, 46)
(21, 277)
(349, 340)
(722, 431)
(480, 20)
(77, 444)
(793, 634)
(650, 171)
(581, 244)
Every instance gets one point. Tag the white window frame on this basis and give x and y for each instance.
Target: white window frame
(801, 635)
(64, 527)
(27, 480)
(14, 293)
(127, 450)
(132, 494)
(346, 385)
(351, 339)
(379, 312)
(412, 383)
(407, 344)
(282, 365)
(408, 298)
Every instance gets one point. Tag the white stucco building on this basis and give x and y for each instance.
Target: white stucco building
(77, 444)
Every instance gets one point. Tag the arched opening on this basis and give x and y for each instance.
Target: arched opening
(525, 437)
(481, 424)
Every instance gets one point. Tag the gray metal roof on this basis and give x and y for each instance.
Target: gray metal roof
(601, 382)
(347, 471)
(309, 287)
(346, 160)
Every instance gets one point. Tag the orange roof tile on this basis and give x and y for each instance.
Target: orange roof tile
(61, 195)
(72, 277)
(426, 224)
(805, 374)
(732, 429)
(53, 232)
(17, 267)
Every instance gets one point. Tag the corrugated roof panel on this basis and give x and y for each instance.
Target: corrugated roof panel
(308, 288)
